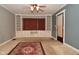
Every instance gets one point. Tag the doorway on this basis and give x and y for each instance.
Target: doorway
(60, 26)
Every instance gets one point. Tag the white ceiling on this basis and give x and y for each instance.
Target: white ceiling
(24, 8)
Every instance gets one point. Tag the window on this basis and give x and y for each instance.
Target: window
(33, 24)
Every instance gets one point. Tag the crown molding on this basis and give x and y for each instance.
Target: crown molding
(7, 9)
(34, 14)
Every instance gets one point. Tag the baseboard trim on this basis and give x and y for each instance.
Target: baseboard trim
(54, 38)
(6, 41)
(77, 50)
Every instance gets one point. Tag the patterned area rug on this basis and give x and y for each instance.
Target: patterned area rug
(28, 48)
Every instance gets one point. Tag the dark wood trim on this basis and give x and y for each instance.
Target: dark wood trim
(42, 48)
(60, 39)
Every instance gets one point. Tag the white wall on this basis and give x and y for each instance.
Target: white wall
(33, 34)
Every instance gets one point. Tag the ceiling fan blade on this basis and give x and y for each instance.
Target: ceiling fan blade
(34, 5)
(42, 6)
(41, 10)
(25, 7)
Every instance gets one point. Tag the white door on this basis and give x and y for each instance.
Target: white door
(60, 27)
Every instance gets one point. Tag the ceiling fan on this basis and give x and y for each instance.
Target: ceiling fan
(36, 8)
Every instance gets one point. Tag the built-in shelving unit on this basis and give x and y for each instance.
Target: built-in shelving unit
(35, 33)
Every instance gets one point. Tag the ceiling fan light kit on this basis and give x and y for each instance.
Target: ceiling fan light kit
(35, 8)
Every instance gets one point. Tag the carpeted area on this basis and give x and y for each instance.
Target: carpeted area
(28, 48)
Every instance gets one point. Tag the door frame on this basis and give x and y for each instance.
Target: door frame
(63, 11)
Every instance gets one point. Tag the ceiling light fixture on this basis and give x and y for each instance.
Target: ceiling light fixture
(34, 8)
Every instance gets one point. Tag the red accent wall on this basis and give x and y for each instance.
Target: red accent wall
(41, 24)
(33, 24)
(29, 24)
